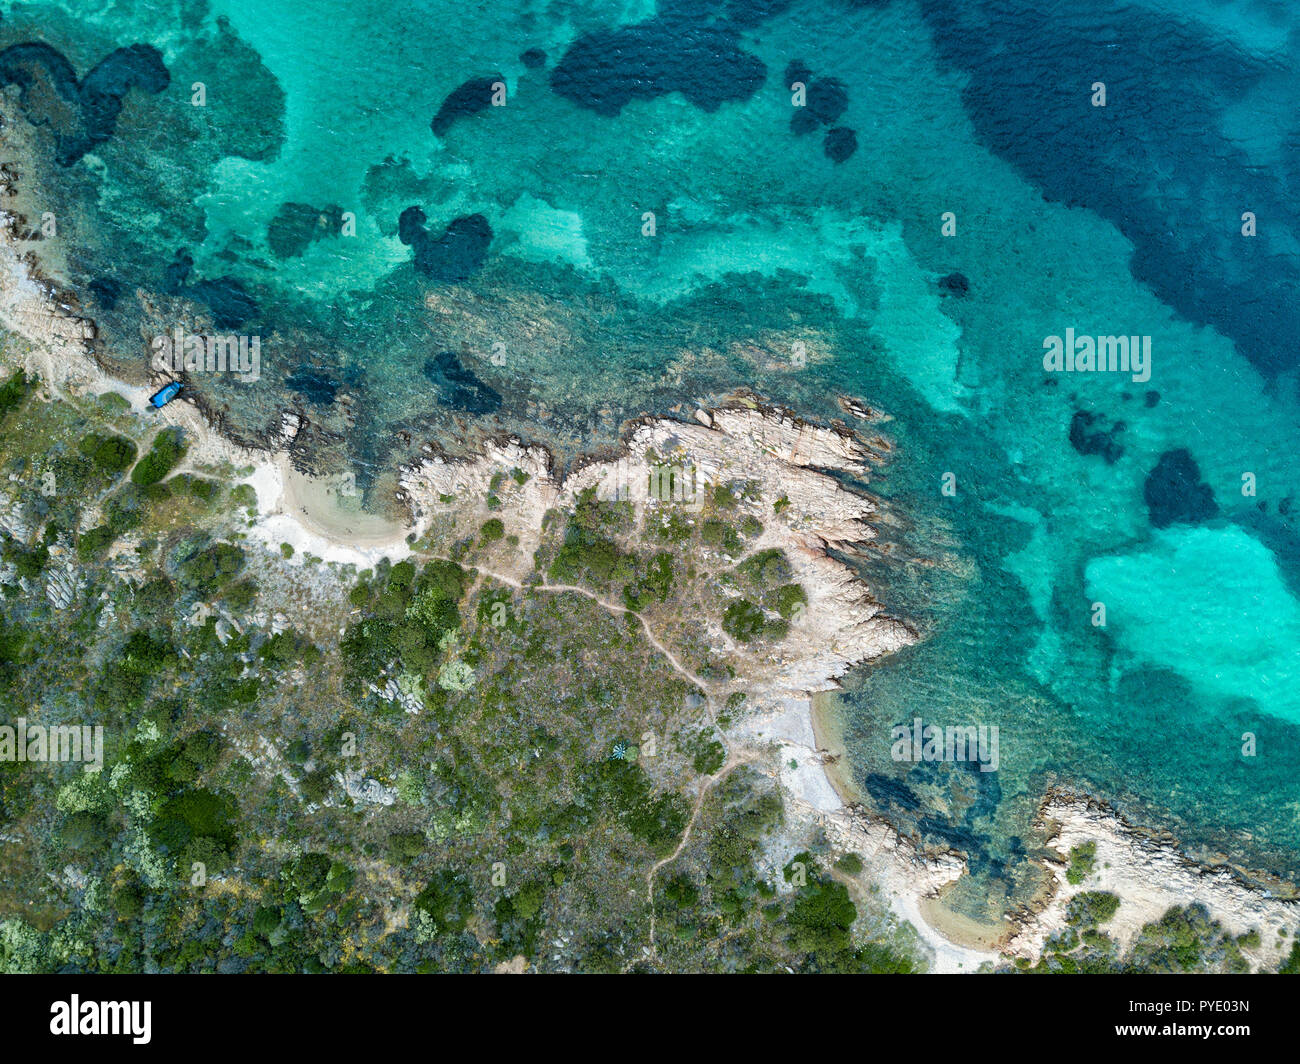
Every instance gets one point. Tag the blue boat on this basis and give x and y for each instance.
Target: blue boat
(165, 394)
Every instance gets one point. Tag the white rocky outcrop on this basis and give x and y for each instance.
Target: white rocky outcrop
(364, 789)
(785, 460)
(61, 585)
(1150, 875)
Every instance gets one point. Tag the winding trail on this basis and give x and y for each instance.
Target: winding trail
(733, 761)
(612, 607)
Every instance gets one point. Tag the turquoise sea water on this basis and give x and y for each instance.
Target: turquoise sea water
(524, 292)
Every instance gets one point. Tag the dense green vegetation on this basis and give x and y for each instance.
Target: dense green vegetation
(111, 454)
(1082, 860)
(530, 786)
(14, 392)
(163, 456)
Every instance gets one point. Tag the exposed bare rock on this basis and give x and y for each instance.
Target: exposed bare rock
(784, 463)
(62, 584)
(29, 306)
(263, 756)
(391, 692)
(290, 425)
(1149, 874)
(13, 519)
(108, 612)
(361, 788)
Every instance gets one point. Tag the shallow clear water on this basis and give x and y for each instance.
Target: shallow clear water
(1117, 220)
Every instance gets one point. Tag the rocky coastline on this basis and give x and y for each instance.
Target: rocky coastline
(794, 461)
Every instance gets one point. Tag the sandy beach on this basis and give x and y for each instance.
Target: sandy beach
(321, 517)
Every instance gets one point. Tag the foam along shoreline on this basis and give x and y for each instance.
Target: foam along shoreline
(848, 627)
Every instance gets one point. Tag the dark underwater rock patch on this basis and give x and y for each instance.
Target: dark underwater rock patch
(1027, 95)
(797, 70)
(606, 70)
(826, 100)
(456, 255)
(314, 385)
(468, 98)
(460, 386)
(94, 103)
(230, 304)
(106, 290)
(840, 144)
(245, 111)
(533, 59)
(1174, 491)
(954, 284)
(750, 13)
(296, 226)
(225, 297)
(886, 790)
(1102, 441)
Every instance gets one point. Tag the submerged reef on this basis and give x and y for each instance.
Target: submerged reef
(607, 70)
(1174, 491)
(456, 255)
(468, 98)
(93, 104)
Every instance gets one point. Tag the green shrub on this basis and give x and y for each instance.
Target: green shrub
(165, 455)
(766, 569)
(145, 655)
(1091, 907)
(211, 567)
(1082, 859)
(128, 901)
(196, 814)
(850, 864)
(94, 542)
(720, 536)
(14, 391)
(405, 846)
(788, 599)
(113, 455)
(446, 901)
(743, 620)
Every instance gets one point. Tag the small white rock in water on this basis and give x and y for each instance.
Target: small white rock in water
(290, 425)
